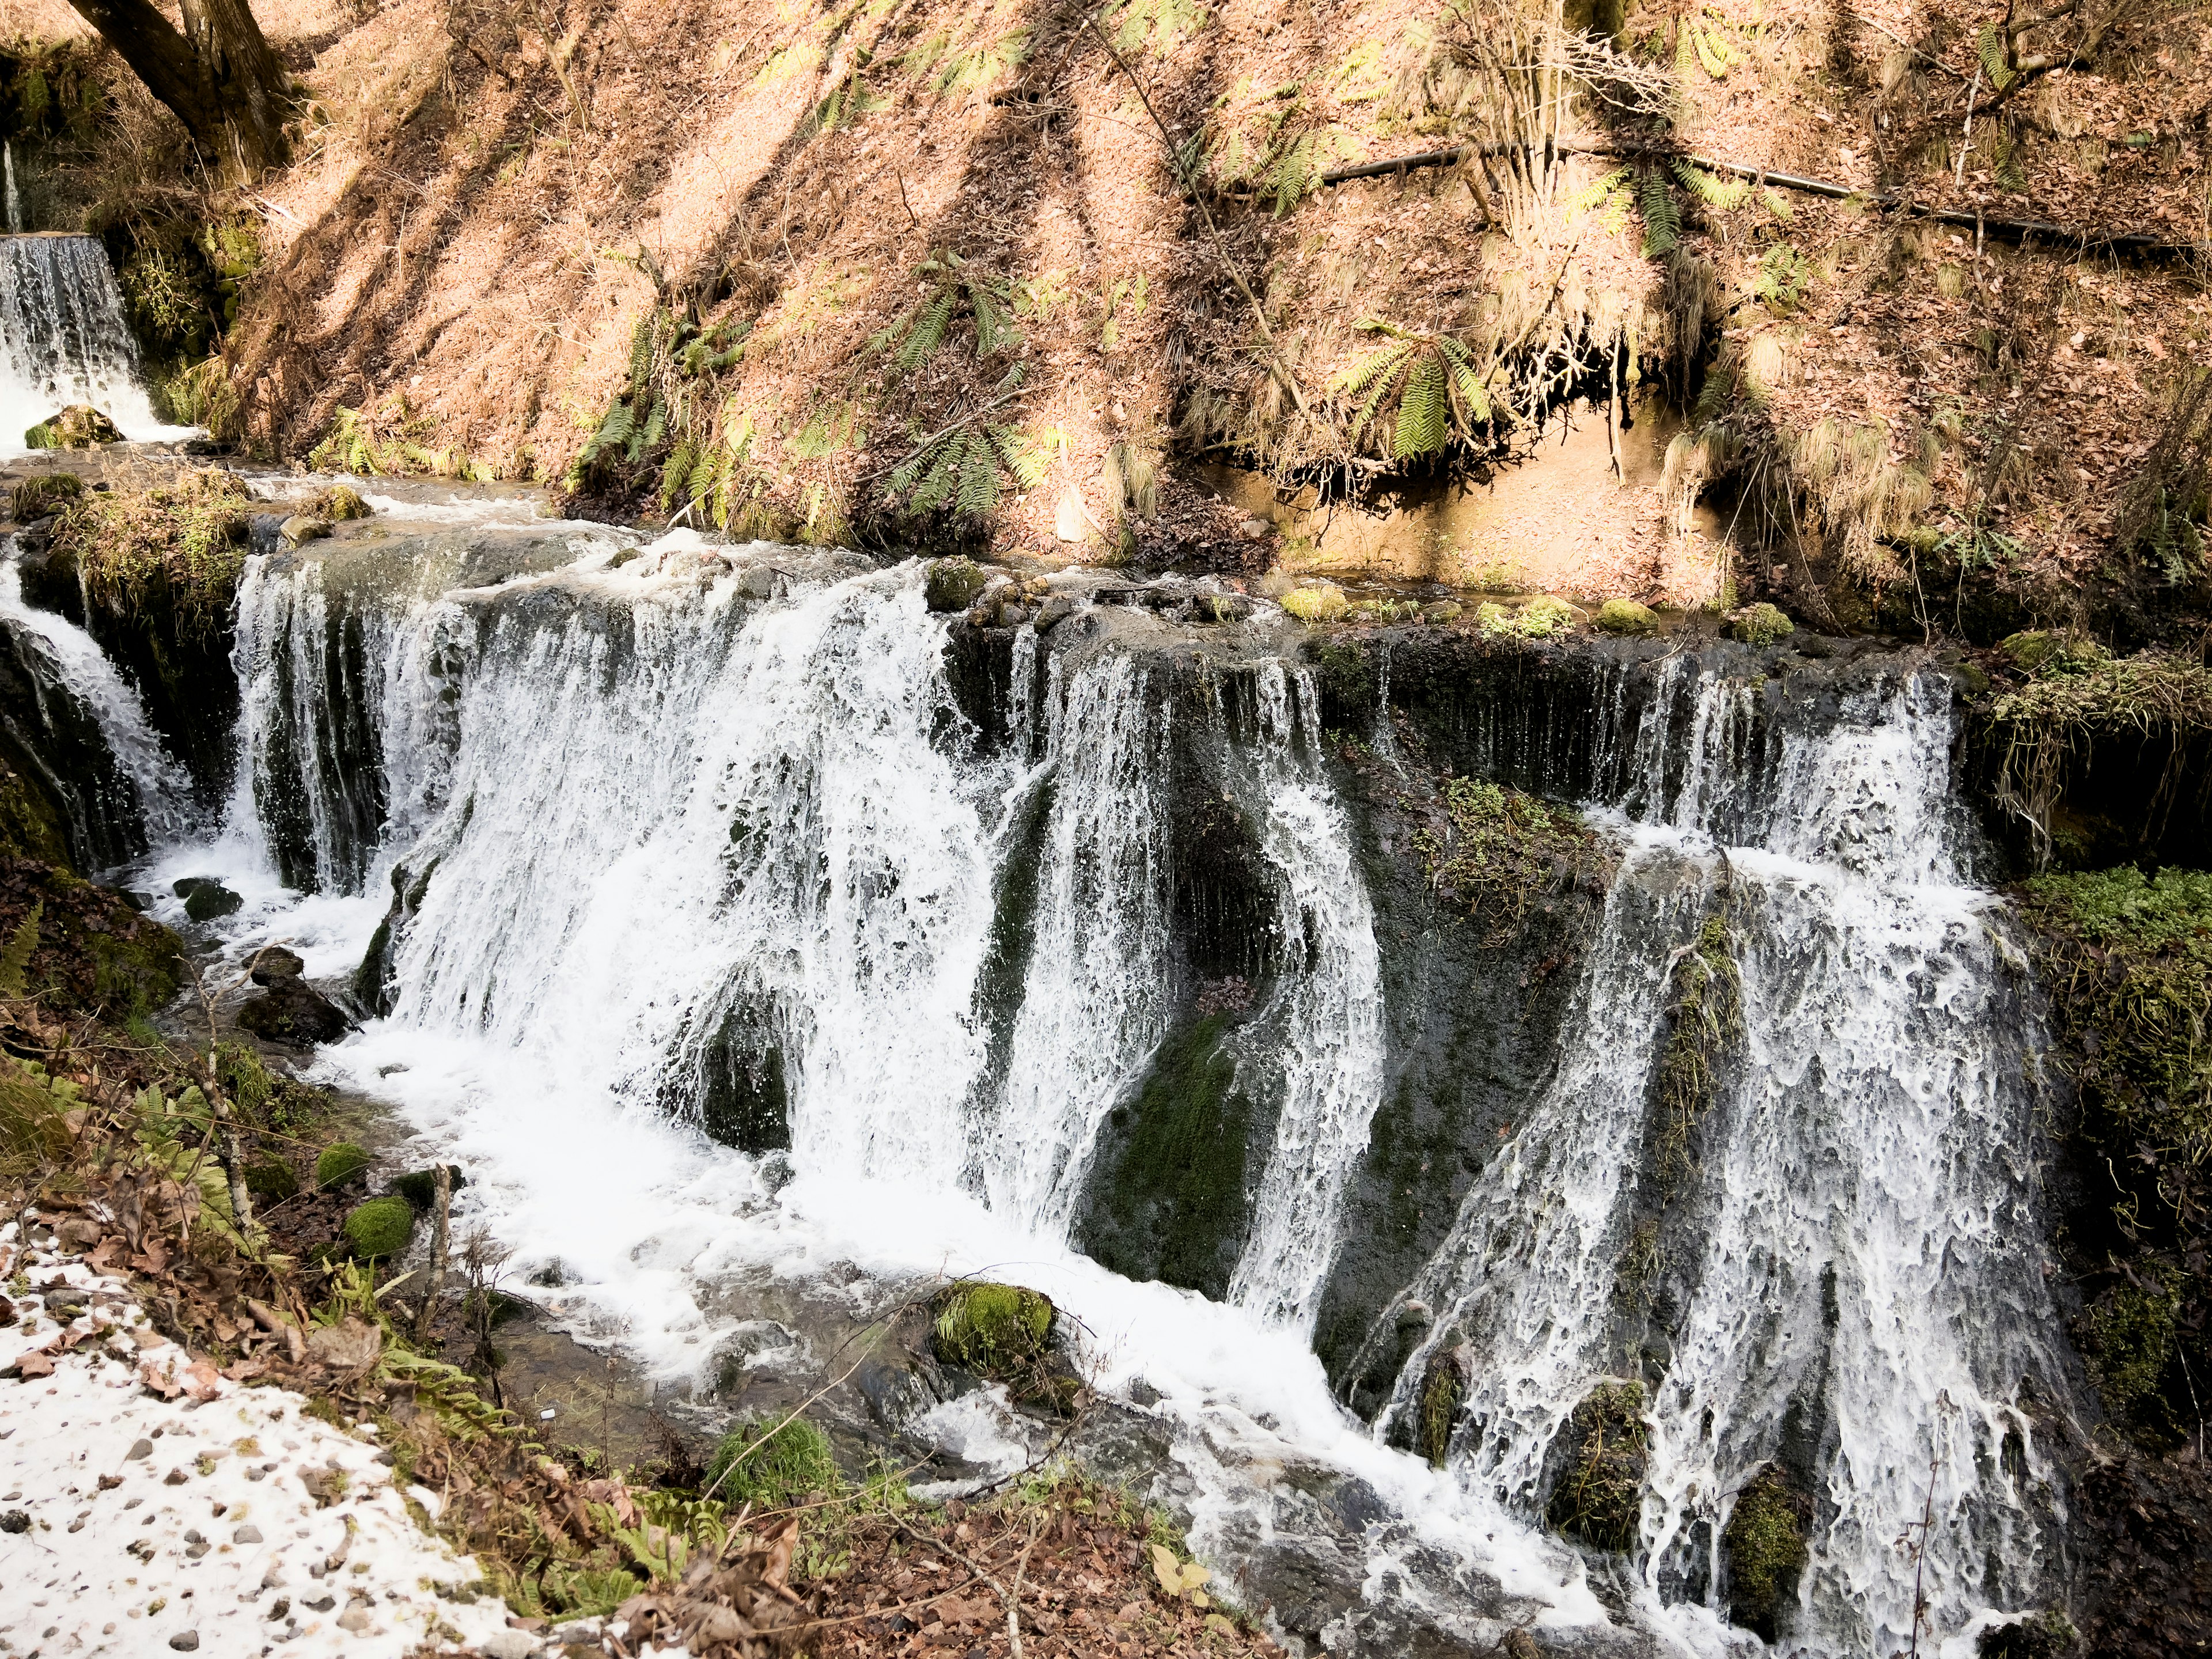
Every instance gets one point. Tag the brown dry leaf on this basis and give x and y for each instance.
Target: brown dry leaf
(161, 1379)
(348, 1345)
(201, 1381)
(37, 1362)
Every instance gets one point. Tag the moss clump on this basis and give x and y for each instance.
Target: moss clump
(1002, 1332)
(953, 584)
(1443, 611)
(336, 502)
(273, 1180)
(2047, 1635)
(1626, 616)
(2128, 1334)
(341, 1161)
(1763, 1547)
(1600, 1499)
(1760, 624)
(1322, 602)
(80, 426)
(1543, 617)
(1705, 1019)
(381, 1227)
(31, 825)
(420, 1186)
(36, 497)
(180, 545)
(1443, 1386)
(772, 1465)
(92, 951)
(1503, 852)
(2038, 647)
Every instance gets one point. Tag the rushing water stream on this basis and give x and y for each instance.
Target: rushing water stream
(655, 836)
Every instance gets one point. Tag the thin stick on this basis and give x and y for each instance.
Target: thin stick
(438, 1243)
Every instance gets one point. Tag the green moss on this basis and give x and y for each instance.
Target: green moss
(772, 1465)
(1443, 611)
(2047, 1635)
(381, 1227)
(180, 546)
(1704, 1020)
(1002, 1333)
(1503, 852)
(336, 502)
(245, 1081)
(1347, 676)
(271, 1180)
(420, 1186)
(37, 497)
(80, 426)
(31, 825)
(2128, 1337)
(1319, 603)
(1543, 617)
(1627, 616)
(1443, 1386)
(1760, 624)
(95, 953)
(953, 584)
(341, 1161)
(1599, 1498)
(1763, 1547)
(1171, 1205)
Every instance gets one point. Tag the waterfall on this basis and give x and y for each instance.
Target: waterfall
(1857, 1223)
(63, 339)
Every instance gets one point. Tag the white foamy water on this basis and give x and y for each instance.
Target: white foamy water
(63, 340)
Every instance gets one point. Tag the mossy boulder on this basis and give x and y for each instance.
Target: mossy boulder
(271, 1180)
(341, 1161)
(1443, 1387)
(78, 426)
(35, 498)
(1627, 617)
(1760, 624)
(1320, 602)
(301, 529)
(336, 502)
(1762, 1551)
(206, 899)
(2047, 1635)
(1443, 611)
(772, 1464)
(2037, 649)
(420, 1186)
(1543, 617)
(1002, 1333)
(381, 1227)
(294, 1013)
(90, 950)
(1600, 1498)
(954, 584)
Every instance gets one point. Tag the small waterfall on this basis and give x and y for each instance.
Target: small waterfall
(15, 202)
(1856, 1223)
(124, 793)
(63, 339)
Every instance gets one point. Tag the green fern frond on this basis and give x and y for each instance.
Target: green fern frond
(1725, 194)
(1991, 47)
(1354, 379)
(676, 474)
(928, 333)
(1025, 461)
(994, 323)
(1777, 204)
(1587, 198)
(1663, 223)
(1686, 55)
(15, 956)
(979, 477)
(699, 482)
(647, 438)
(1424, 412)
(641, 356)
(937, 486)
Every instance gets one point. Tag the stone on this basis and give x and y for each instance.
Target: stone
(78, 426)
(355, 1619)
(299, 529)
(953, 584)
(1011, 615)
(508, 1644)
(295, 1013)
(1221, 607)
(1627, 617)
(246, 1535)
(1056, 609)
(1252, 528)
(210, 899)
(186, 1641)
(1070, 523)
(272, 962)
(336, 502)
(139, 1448)
(1759, 624)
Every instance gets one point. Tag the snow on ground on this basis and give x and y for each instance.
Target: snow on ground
(135, 1525)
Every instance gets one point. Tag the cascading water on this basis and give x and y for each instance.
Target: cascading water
(63, 339)
(1858, 1219)
(713, 837)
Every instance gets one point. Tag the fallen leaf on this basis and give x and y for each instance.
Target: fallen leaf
(158, 1377)
(348, 1345)
(37, 1362)
(201, 1381)
(246, 1370)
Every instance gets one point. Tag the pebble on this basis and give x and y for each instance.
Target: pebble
(246, 1535)
(186, 1641)
(508, 1644)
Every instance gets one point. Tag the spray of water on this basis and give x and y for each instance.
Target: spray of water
(63, 340)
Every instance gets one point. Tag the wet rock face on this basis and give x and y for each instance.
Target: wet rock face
(294, 1013)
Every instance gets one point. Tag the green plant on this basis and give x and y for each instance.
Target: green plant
(15, 956)
(1316, 604)
(1760, 625)
(381, 1227)
(1705, 1019)
(35, 498)
(1000, 1332)
(181, 543)
(1784, 277)
(960, 470)
(1443, 1386)
(1627, 616)
(1430, 378)
(773, 1465)
(1599, 1498)
(1503, 852)
(339, 1162)
(950, 287)
(272, 1179)
(420, 1186)
(1543, 617)
(1764, 1547)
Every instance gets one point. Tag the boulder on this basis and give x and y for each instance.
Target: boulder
(1759, 624)
(336, 502)
(206, 898)
(420, 1186)
(953, 584)
(1002, 1333)
(1056, 609)
(295, 1013)
(1627, 616)
(1323, 602)
(79, 426)
(299, 529)
(272, 962)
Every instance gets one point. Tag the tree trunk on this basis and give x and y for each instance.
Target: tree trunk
(219, 77)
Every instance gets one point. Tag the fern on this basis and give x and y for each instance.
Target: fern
(1025, 461)
(979, 477)
(1440, 394)
(15, 956)
(1663, 223)
(615, 432)
(1686, 55)
(931, 322)
(647, 438)
(1423, 417)
(641, 356)
(1597, 192)
(1294, 176)
(994, 325)
(1776, 203)
(1991, 45)
(676, 477)
(1714, 53)
(1725, 194)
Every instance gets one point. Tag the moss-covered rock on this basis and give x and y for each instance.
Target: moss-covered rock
(953, 584)
(336, 502)
(90, 951)
(206, 900)
(1002, 1333)
(1763, 1553)
(1627, 616)
(1443, 1387)
(381, 1227)
(1599, 1498)
(1443, 611)
(1317, 602)
(1505, 853)
(78, 426)
(180, 546)
(1704, 1021)
(1760, 624)
(420, 1186)
(294, 1013)
(35, 498)
(340, 1162)
(1543, 617)
(2047, 1635)
(271, 1180)
(772, 1464)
